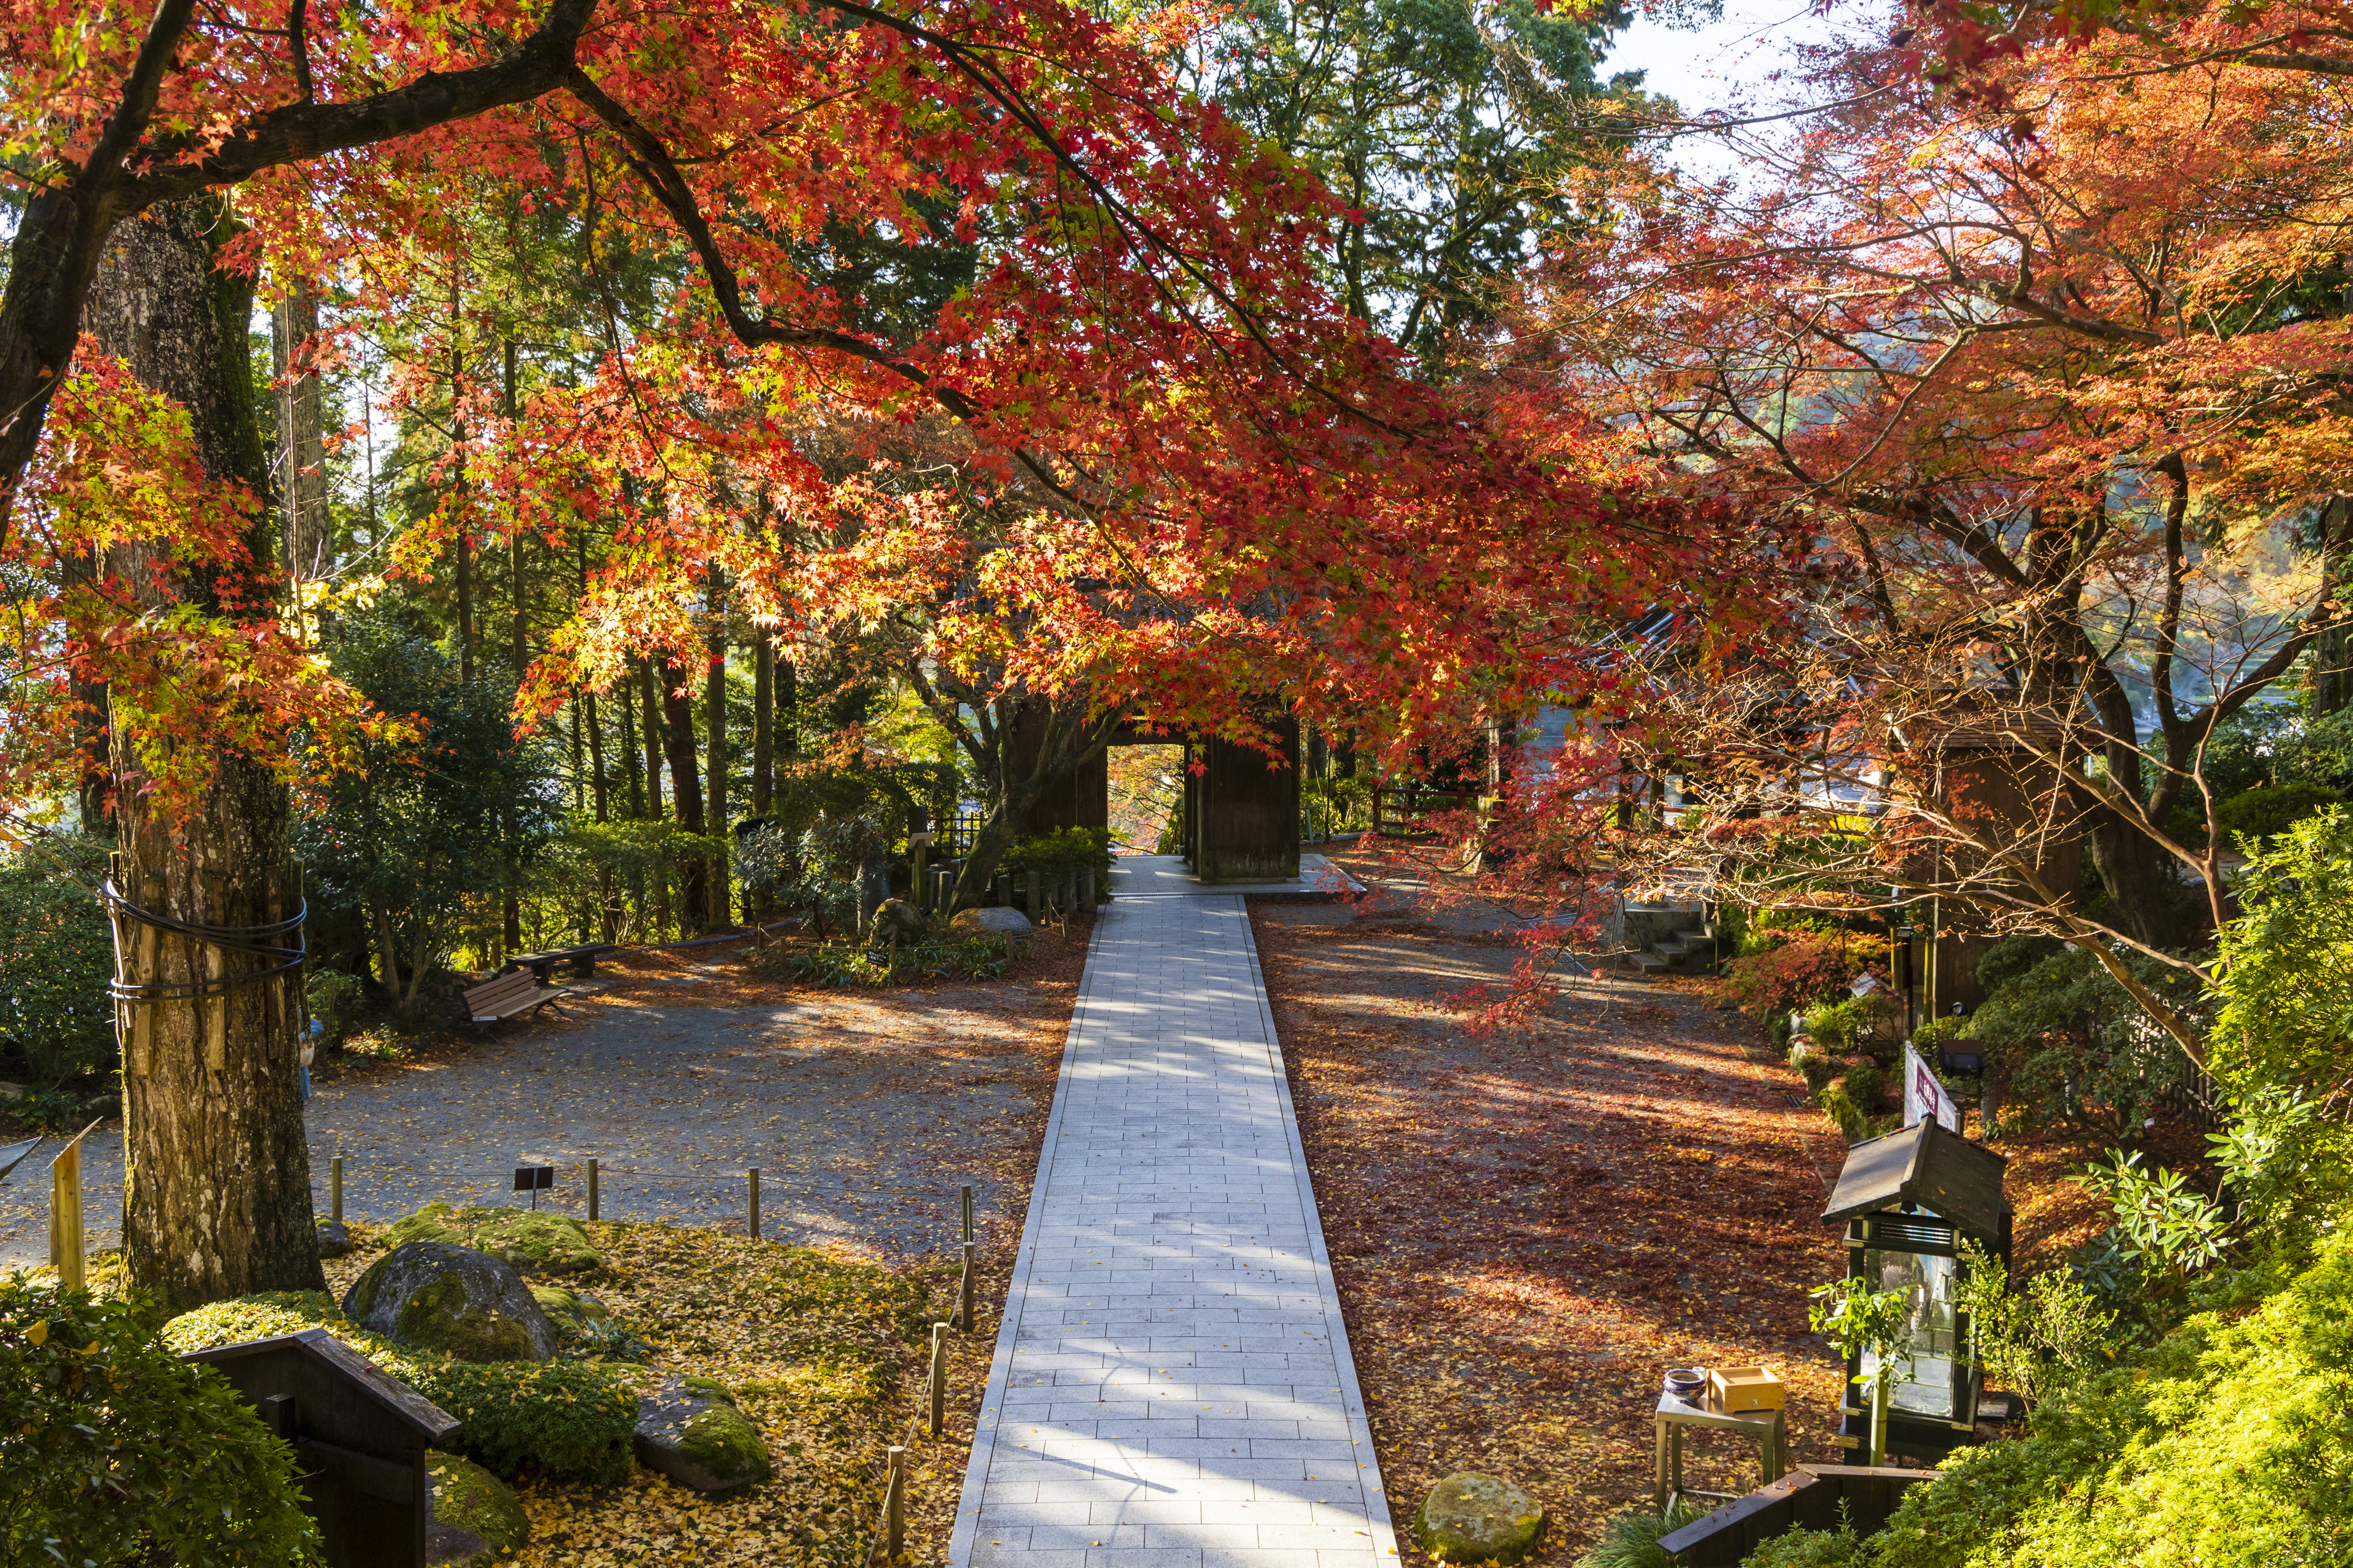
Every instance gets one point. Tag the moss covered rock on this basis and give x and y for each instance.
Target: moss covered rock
(475, 1522)
(1471, 1518)
(524, 1240)
(570, 1310)
(461, 1304)
(689, 1430)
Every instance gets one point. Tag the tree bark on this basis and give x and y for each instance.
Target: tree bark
(216, 1199)
(651, 701)
(714, 720)
(686, 796)
(307, 538)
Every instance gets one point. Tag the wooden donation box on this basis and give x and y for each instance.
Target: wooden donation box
(359, 1439)
(1908, 1200)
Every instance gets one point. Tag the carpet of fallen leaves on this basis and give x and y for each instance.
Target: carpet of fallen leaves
(1528, 1229)
(826, 1348)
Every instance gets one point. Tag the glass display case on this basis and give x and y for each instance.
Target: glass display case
(1908, 1200)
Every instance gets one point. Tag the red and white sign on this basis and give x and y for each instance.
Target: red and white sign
(1924, 1097)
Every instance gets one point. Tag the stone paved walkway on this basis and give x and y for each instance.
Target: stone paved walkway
(1172, 1385)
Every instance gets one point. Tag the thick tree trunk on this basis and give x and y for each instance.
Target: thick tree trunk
(216, 1199)
(686, 796)
(2146, 896)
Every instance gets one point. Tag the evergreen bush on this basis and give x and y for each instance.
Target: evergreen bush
(114, 1453)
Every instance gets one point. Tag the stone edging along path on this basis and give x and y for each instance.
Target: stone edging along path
(1171, 1386)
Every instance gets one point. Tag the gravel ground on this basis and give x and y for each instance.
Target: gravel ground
(865, 1110)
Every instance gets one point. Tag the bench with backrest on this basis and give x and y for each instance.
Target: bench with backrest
(507, 996)
(583, 960)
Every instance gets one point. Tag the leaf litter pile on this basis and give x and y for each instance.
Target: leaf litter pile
(1528, 1228)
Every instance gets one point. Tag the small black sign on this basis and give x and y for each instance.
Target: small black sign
(534, 1178)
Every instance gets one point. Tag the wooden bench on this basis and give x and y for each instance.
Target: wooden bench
(507, 996)
(583, 960)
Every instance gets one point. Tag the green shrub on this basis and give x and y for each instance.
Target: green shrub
(113, 1451)
(2262, 814)
(1631, 1540)
(1063, 849)
(958, 955)
(2227, 1445)
(1866, 1087)
(47, 1109)
(1803, 1548)
(57, 954)
(572, 1417)
(2075, 1049)
(335, 998)
(1817, 1067)
(1833, 1024)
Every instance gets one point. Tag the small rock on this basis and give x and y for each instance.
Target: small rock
(447, 1298)
(334, 1238)
(475, 1520)
(997, 919)
(528, 1241)
(689, 1430)
(1471, 1518)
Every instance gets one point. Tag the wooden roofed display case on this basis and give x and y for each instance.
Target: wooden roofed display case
(1908, 1200)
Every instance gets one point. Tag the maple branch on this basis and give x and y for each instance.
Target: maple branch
(64, 228)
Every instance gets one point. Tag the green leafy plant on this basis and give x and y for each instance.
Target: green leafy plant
(1803, 1548)
(1063, 849)
(1631, 1540)
(1861, 1321)
(2038, 1340)
(48, 1111)
(952, 955)
(2076, 1051)
(1816, 1066)
(115, 1453)
(57, 954)
(2263, 814)
(335, 998)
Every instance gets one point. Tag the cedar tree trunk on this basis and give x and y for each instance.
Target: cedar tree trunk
(216, 1199)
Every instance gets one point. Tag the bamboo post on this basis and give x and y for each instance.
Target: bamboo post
(753, 1177)
(939, 1390)
(967, 1286)
(64, 1216)
(1035, 893)
(593, 1194)
(335, 1188)
(894, 1505)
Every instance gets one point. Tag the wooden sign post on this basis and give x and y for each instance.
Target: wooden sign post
(66, 1245)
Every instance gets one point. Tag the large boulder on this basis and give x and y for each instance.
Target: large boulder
(526, 1240)
(474, 1519)
(896, 918)
(1471, 1518)
(997, 919)
(462, 1303)
(689, 1430)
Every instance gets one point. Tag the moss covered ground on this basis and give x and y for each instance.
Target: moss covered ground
(822, 1355)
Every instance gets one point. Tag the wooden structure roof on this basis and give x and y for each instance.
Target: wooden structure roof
(1926, 1166)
